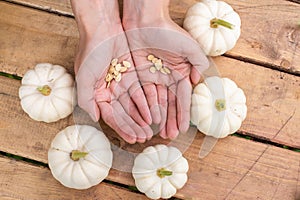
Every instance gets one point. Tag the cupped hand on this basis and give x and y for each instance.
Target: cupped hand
(121, 103)
(168, 92)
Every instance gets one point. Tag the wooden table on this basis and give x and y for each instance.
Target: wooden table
(261, 162)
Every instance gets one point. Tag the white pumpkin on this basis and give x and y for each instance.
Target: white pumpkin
(80, 157)
(218, 107)
(215, 26)
(47, 93)
(160, 171)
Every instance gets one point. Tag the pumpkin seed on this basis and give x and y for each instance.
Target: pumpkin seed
(116, 73)
(108, 78)
(151, 57)
(152, 69)
(162, 70)
(158, 65)
(123, 69)
(118, 77)
(118, 67)
(167, 70)
(114, 62)
(154, 60)
(126, 64)
(111, 70)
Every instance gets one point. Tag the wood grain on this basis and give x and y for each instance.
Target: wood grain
(229, 171)
(267, 37)
(29, 37)
(271, 94)
(24, 181)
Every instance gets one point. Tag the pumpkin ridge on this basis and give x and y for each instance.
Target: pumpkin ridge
(32, 101)
(210, 10)
(61, 150)
(95, 158)
(53, 105)
(49, 72)
(85, 174)
(63, 170)
(62, 162)
(28, 95)
(59, 77)
(89, 161)
(84, 144)
(65, 100)
(152, 159)
(146, 191)
(68, 139)
(38, 77)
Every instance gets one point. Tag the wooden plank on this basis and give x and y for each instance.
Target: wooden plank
(266, 37)
(29, 37)
(270, 93)
(24, 181)
(227, 172)
(273, 100)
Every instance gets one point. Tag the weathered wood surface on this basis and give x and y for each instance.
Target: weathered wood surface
(30, 36)
(270, 30)
(271, 94)
(24, 181)
(227, 171)
(235, 169)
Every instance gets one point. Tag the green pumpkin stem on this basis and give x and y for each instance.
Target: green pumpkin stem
(214, 23)
(45, 90)
(162, 173)
(76, 155)
(220, 105)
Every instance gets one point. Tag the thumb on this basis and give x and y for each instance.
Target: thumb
(198, 59)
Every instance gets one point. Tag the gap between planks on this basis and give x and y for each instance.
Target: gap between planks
(37, 183)
(233, 165)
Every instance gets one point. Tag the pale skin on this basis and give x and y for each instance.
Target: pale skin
(150, 30)
(125, 106)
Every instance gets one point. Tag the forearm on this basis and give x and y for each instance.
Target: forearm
(145, 10)
(90, 14)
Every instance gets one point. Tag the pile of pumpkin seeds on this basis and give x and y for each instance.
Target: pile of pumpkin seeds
(157, 65)
(115, 71)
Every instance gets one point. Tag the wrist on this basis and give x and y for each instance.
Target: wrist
(145, 12)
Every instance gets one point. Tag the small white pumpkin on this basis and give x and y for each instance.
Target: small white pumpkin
(218, 107)
(215, 26)
(47, 93)
(159, 171)
(80, 157)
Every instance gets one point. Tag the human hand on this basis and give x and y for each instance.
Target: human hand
(122, 105)
(150, 31)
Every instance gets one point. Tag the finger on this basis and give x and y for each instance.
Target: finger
(151, 95)
(139, 132)
(172, 129)
(117, 123)
(130, 108)
(184, 93)
(195, 76)
(162, 93)
(138, 97)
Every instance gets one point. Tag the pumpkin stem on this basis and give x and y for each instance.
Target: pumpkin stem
(220, 104)
(214, 23)
(162, 173)
(45, 90)
(76, 155)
